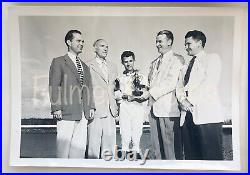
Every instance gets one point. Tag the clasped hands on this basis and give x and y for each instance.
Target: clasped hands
(186, 105)
(119, 96)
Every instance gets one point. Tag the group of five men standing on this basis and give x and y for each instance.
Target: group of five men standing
(185, 110)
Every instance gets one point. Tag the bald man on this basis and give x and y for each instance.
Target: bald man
(102, 129)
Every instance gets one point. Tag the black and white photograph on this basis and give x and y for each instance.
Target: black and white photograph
(125, 87)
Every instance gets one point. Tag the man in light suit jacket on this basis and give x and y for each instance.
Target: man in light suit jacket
(102, 129)
(197, 92)
(71, 98)
(164, 116)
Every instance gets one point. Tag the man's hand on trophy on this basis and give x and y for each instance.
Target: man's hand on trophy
(130, 98)
(124, 96)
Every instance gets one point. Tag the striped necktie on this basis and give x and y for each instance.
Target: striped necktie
(79, 70)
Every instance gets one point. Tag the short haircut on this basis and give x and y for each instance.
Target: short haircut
(69, 35)
(94, 44)
(168, 34)
(127, 53)
(197, 35)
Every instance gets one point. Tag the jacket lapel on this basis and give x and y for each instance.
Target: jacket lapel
(110, 71)
(197, 71)
(154, 72)
(163, 69)
(97, 69)
(72, 67)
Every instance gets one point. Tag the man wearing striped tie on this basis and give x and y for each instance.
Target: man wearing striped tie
(71, 98)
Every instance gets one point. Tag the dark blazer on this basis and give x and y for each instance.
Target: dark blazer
(66, 93)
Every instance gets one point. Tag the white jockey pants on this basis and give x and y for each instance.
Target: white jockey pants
(131, 124)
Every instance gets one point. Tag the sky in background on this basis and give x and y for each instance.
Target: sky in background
(42, 39)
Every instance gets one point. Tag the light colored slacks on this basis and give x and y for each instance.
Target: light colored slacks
(101, 136)
(131, 124)
(71, 138)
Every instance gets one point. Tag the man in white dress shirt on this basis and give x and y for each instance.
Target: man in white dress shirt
(197, 92)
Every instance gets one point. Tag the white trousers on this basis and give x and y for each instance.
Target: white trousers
(131, 124)
(71, 138)
(101, 136)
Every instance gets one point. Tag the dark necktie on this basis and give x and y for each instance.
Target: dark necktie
(187, 75)
(159, 63)
(79, 70)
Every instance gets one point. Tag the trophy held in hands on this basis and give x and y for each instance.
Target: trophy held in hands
(137, 86)
(136, 89)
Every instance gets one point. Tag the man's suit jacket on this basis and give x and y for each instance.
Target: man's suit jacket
(103, 89)
(202, 89)
(66, 93)
(163, 83)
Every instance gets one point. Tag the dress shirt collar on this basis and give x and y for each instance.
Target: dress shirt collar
(72, 56)
(200, 54)
(168, 54)
(100, 61)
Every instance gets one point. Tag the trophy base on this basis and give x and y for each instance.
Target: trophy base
(137, 93)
